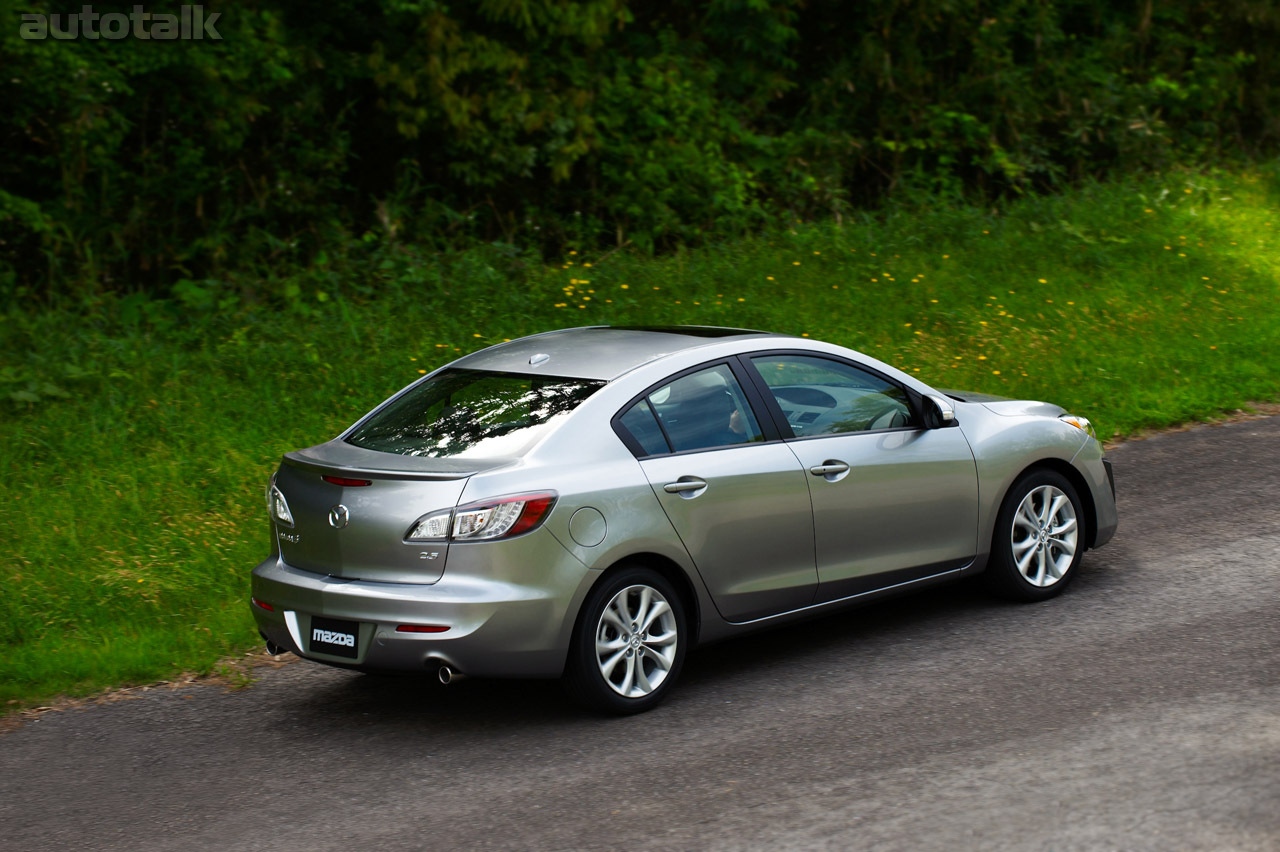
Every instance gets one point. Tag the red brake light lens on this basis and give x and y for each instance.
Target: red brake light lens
(268, 607)
(421, 628)
(348, 483)
(535, 509)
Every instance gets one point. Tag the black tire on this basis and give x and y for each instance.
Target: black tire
(1045, 576)
(585, 678)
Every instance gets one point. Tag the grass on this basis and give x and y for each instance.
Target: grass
(136, 438)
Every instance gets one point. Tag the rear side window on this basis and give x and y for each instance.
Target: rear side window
(471, 413)
(700, 411)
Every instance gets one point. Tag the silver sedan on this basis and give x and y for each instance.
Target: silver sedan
(592, 503)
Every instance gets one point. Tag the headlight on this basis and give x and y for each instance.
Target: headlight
(1081, 423)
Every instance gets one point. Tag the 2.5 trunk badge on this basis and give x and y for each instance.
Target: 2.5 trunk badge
(339, 516)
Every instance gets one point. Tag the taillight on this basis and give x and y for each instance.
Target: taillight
(485, 520)
(348, 483)
(268, 607)
(280, 508)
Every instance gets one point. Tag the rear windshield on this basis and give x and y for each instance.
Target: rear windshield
(472, 413)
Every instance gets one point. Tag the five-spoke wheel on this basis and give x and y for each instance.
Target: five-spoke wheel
(1038, 541)
(636, 641)
(629, 644)
(1043, 535)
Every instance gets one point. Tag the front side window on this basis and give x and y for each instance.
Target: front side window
(472, 414)
(700, 411)
(819, 396)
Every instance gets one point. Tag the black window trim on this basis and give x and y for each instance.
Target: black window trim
(741, 374)
(780, 423)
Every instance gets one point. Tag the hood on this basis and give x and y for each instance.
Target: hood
(1007, 407)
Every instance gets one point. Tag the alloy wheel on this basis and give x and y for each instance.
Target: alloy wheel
(1044, 536)
(636, 640)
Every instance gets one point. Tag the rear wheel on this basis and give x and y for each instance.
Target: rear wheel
(629, 644)
(1039, 538)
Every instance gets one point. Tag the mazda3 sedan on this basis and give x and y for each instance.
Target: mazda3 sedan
(592, 503)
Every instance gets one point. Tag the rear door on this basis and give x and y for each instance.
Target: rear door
(735, 494)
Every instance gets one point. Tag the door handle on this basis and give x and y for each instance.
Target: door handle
(683, 485)
(829, 467)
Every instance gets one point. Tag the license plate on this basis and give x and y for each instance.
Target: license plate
(339, 638)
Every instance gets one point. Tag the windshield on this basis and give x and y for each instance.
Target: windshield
(472, 414)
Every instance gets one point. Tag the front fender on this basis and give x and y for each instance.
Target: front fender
(1006, 445)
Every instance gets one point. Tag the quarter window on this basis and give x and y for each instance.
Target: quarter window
(643, 426)
(819, 396)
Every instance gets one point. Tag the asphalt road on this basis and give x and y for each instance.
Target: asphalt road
(1139, 711)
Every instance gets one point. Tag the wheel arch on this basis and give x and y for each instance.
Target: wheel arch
(672, 573)
(1077, 481)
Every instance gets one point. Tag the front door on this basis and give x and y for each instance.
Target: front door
(892, 501)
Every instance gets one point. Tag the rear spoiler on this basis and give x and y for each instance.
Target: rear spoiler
(340, 458)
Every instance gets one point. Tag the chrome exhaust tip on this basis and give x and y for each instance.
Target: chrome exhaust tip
(273, 649)
(447, 675)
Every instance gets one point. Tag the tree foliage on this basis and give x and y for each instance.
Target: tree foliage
(316, 129)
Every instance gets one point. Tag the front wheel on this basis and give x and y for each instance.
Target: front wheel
(1039, 538)
(629, 644)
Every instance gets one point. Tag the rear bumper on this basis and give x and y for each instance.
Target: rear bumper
(509, 611)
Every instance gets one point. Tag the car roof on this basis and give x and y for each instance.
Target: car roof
(598, 352)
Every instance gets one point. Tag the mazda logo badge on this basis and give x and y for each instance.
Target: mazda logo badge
(338, 517)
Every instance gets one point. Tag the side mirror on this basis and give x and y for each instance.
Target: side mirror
(939, 413)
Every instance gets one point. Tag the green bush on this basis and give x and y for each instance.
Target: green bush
(311, 130)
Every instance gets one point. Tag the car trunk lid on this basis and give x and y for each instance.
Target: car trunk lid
(355, 531)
